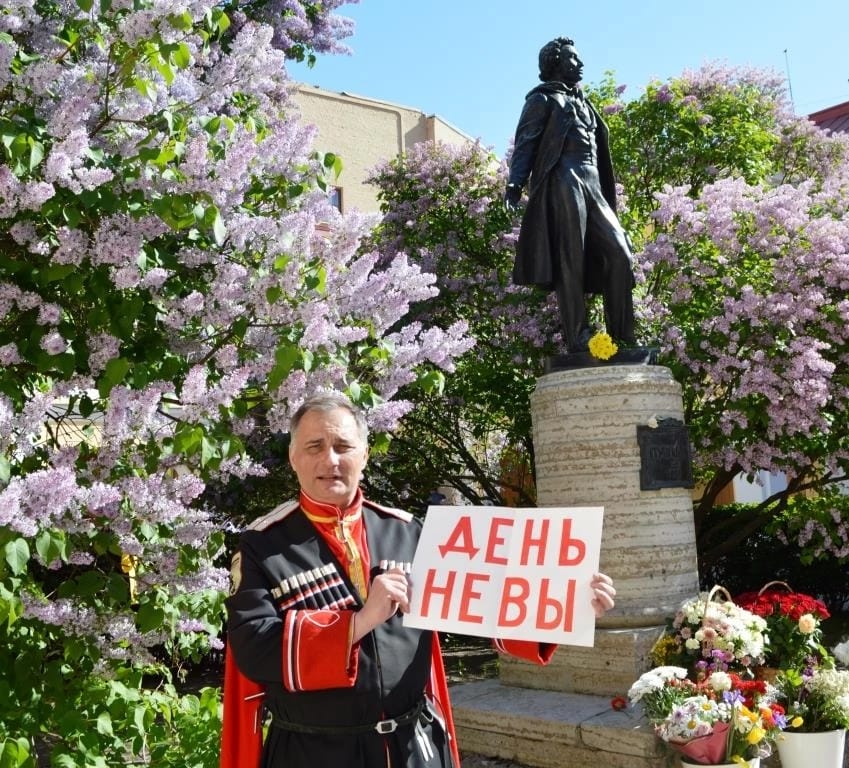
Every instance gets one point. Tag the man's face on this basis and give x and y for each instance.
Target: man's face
(328, 456)
(570, 67)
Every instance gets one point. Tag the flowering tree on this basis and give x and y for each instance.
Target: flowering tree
(743, 211)
(739, 210)
(172, 281)
(442, 206)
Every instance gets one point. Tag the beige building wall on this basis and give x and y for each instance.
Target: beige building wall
(364, 132)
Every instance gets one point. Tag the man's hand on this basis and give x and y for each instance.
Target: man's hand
(603, 593)
(512, 195)
(389, 592)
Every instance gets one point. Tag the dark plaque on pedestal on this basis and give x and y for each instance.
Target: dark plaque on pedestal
(664, 455)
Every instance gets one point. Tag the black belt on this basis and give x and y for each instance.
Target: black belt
(381, 726)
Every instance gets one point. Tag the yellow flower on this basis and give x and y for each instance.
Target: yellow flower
(664, 650)
(748, 714)
(602, 346)
(755, 735)
(796, 721)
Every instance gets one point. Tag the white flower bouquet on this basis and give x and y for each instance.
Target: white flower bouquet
(708, 635)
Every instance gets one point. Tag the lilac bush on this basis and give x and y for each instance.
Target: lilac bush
(741, 209)
(442, 206)
(173, 280)
(749, 302)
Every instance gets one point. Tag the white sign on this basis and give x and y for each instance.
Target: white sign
(507, 573)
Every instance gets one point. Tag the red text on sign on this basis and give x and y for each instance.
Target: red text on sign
(518, 603)
(520, 600)
(536, 543)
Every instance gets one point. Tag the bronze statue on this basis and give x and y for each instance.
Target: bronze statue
(570, 241)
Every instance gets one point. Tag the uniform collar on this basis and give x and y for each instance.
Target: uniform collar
(319, 511)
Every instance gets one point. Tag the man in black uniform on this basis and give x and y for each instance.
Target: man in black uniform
(570, 240)
(315, 629)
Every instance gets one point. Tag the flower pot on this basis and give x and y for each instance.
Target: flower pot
(754, 762)
(804, 750)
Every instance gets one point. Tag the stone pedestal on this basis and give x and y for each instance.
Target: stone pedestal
(608, 669)
(585, 438)
(546, 729)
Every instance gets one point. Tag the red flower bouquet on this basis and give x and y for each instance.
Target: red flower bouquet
(793, 625)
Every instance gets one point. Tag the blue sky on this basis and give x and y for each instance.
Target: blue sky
(472, 61)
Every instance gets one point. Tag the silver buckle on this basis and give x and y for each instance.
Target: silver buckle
(386, 726)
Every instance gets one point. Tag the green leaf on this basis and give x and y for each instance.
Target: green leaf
(182, 21)
(188, 439)
(219, 231)
(85, 406)
(117, 588)
(75, 649)
(182, 57)
(273, 293)
(149, 617)
(51, 546)
(88, 584)
(307, 358)
(11, 608)
(162, 66)
(19, 145)
(140, 718)
(208, 451)
(316, 279)
(212, 125)
(380, 443)
(285, 357)
(57, 272)
(141, 84)
(114, 373)
(104, 724)
(14, 753)
(17, 555)
(36, 154)
(333, 162)
(432, 381)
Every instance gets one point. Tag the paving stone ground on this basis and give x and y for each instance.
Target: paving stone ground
(469, 760)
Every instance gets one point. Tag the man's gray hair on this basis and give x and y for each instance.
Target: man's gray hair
(326, 402)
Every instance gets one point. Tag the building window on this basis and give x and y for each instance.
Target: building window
(335, 195)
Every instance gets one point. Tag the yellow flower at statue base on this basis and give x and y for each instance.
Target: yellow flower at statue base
(602, 346)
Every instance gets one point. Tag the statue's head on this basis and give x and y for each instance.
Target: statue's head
(559, 60)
